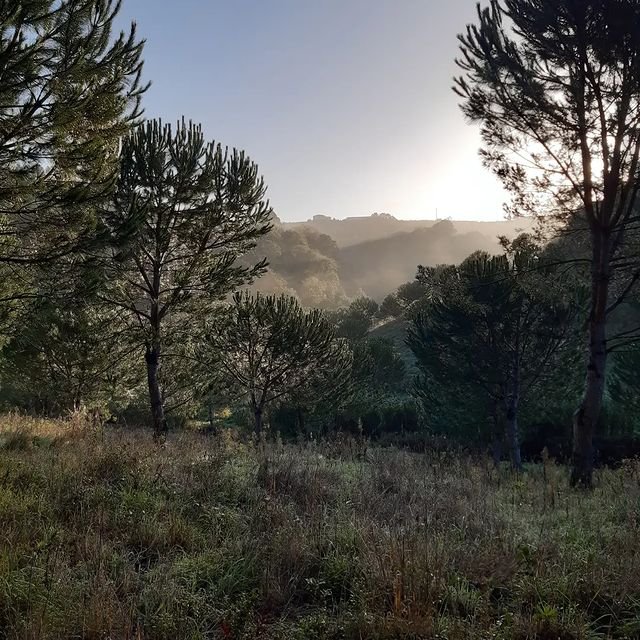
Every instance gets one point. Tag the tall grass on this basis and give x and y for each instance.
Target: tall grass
(106, 535)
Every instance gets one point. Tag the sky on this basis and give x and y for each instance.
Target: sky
(346, 105)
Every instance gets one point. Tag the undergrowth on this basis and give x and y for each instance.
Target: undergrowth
(106, 535)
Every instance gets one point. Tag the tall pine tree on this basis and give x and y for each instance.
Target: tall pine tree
(555, 85)
(192, 209)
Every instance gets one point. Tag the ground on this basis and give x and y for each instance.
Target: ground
(107, 535)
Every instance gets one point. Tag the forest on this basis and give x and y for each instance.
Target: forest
(218, 424)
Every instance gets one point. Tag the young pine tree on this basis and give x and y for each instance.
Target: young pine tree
(493, 328)
(191, 209)
(271, 349)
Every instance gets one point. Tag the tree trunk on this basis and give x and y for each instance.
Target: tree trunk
(512, 402)
(512, 432)
(210, 415)
(497, 434)
(586, 417)
(301, 425)
(152, 358)
(257, 414)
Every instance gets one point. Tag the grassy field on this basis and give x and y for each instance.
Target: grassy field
(106, 535)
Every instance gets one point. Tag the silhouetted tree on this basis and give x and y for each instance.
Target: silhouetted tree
(498, 326)
(354, 322)
(556, 87)
(390, 307)
(192, 210)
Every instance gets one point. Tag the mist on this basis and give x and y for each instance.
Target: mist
(327, 262)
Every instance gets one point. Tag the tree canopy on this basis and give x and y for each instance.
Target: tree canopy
(493, 327)
(272, 349)
(68, 92)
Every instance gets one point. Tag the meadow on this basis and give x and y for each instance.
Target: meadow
(108, 535)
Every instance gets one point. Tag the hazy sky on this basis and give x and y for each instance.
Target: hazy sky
(346, 105)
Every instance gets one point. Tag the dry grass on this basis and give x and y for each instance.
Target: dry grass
(105, 535)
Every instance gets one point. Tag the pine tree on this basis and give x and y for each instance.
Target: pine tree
(68, 92)
(67, 355)
(555, 85)
(191, 210)
(272, 350)
(493, 327)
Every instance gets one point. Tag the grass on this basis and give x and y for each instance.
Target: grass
(106, 535)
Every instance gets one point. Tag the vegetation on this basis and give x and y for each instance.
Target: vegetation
(495, 327)
(191, 210)
(107, 535)
(68, 356)
(319, 463)
(68, 94)
(557, 91)
(272, 349)
(331, 268)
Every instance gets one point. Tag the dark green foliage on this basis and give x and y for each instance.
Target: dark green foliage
(64, 358)
(372, 401)
(68, 91)
(355, 321)
(191, 210)
(390, 307)
(378, 366)
(555, 86)
(491, 331)
(622, 406)
(364, 306)
(379, 401)
(410, 292)
(194, 209)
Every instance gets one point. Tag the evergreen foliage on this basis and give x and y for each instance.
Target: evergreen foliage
(271, 349)
(68, 92)
(555, 85)
(67, 357)
(192, 209)
(492, 328)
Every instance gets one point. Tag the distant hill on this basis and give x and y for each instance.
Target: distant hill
(355, 230)
(303, 263)
(377, 267)
(327, 262)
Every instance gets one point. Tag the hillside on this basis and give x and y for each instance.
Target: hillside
(327, 270)
(377, 267)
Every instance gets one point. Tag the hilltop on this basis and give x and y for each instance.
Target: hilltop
(378, 226)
